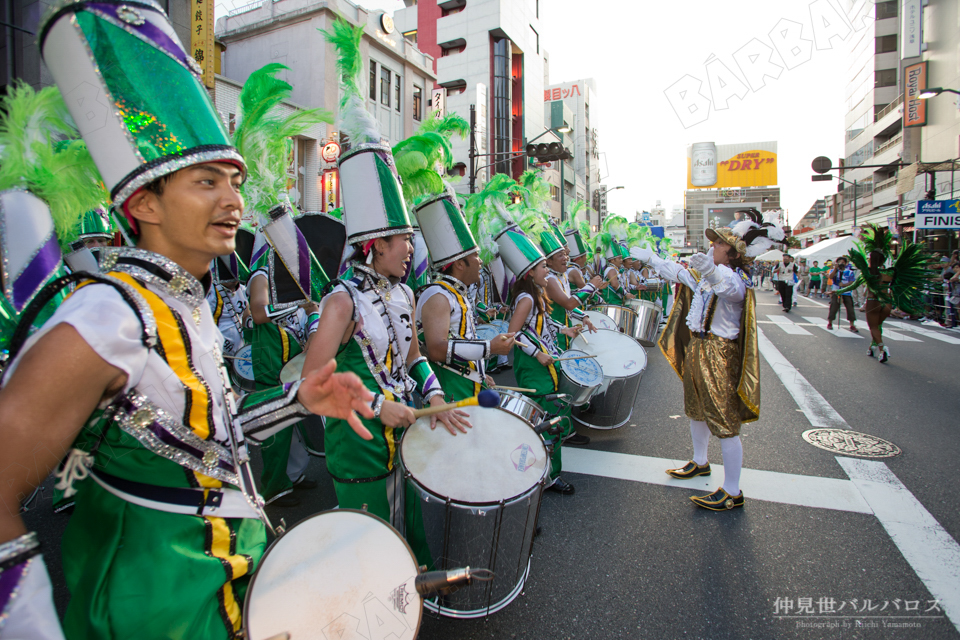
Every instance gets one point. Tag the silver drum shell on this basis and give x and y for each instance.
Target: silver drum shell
(521, 406)
(648, 320)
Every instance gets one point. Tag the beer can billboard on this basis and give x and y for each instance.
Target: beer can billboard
(723, 166)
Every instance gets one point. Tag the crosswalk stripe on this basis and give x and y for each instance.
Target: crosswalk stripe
(839, 332)
(887, 333)
(927, 333)
(787, 325)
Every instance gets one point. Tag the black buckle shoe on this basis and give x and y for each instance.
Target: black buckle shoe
(690, 470)
(562, 487)
(719, 500)
(577, 440)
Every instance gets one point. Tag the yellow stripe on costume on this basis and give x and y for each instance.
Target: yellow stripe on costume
(219, 310)
(285, 342)
(463, 307)
(235, 566)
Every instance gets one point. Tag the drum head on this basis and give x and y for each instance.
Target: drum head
(500, 458)
(487, 332)
(243, 363)
(292, 371)
(335, 575)
(601, 320)
(620, 356)
(502, 326)
(586, 372)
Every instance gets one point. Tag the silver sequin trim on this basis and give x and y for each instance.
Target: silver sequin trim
(142, 308)
(130, 15)
(181, 285)
(271, 270)
(15, 547)
(145, 412)
(175, 164)
(361, 238)
(399, 389)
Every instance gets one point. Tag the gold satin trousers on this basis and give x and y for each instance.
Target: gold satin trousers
(711, 372)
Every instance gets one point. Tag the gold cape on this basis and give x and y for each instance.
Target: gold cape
(676, 335)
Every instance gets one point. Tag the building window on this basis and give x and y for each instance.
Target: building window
(417, 103)
(887, 9)
(373, 80)
(886, 44)
(384, 86)
(555, 193)
(885, 78)
(396, 96)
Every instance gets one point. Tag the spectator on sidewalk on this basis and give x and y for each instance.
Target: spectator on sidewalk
(951, 290)
(841, 276)
(803, 277)
(815, 272)
(786, 273)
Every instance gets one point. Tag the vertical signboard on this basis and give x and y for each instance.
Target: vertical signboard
(915, 81)
(437, 102)
(911, 32)
(201, 38)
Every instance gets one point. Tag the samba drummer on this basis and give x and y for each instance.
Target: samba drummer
(608, 244)
(577, 264)
(168, 525)
(367, 321)
(228, 303)
(445, 309)
(533, 357)
(711, 342)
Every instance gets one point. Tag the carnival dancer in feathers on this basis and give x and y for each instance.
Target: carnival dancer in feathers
(710, 340)
(900, 285)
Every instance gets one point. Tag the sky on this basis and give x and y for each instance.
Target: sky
(638, 52)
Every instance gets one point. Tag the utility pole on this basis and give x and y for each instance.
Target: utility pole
(473, 148)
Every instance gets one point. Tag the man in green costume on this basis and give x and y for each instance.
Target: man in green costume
(168, 525)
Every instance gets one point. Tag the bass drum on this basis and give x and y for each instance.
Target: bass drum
(337, 574)
(482, 519)
(623, 361)
(649, 313)
(601, 320)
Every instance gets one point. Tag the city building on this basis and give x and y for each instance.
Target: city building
(813, 216)
(711, 207)
(584, 180)
(676, 230)
(397, 83)
(487, 54)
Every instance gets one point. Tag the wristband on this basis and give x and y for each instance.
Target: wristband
(18, 550)
(427, 383)
(377, 405)
(462, 351)
(313, 322)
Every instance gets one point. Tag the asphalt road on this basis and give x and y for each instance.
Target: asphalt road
(624, 558)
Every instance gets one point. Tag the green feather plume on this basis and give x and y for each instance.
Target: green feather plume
(449, 125)
(911, 271)
(487, 213)
(355, 122)
(263, 137)
(40, 150)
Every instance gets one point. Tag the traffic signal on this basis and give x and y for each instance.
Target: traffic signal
(548, 152)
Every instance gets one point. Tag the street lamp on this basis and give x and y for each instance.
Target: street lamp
(932, 92)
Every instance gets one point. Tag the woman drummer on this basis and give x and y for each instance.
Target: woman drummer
(536, 345)
(711, 342)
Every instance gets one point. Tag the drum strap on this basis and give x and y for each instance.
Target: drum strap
(228, 503)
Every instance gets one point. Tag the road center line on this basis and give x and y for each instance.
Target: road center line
(925, 545)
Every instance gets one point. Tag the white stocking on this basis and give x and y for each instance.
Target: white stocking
(700, 433)
(732, 450)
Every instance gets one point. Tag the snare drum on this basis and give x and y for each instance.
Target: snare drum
(579, 379)
(601, 320)
(243, 368)
(623, 361)
(521, 406)
(502, 326)
(624, 318)
(484, 519)
(293, 370)
(336, 574)
(487, 331)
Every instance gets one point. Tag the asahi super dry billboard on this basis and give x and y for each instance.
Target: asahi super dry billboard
(724, 166)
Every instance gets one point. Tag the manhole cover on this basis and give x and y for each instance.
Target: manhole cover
(851, 443)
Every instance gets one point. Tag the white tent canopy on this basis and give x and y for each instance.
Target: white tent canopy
(774, 255)
(830, 249)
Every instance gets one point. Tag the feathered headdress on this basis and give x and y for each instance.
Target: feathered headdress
(488, 216)
(751, 237)
(354, 120)
(422, 158)
(40, 151)
(263, 137)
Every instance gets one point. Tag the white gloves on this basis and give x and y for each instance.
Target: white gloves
(641, 254)
(703, 263)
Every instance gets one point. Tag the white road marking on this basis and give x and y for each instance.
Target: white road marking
(787, 325)
(927, 333)
(838, 329)
(819, 304)
(932, 553)
(769, 486)
(887, 333)
(814, 406)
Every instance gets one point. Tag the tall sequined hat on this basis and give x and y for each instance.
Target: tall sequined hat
(134, 92)
(518, 252)
(444, 230)
(95, 225)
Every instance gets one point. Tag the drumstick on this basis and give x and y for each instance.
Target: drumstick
(237, 358)
(520, 389)
(573, 358)
(486, 398)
